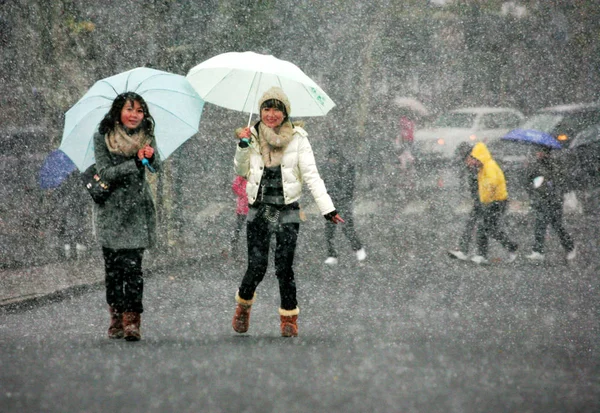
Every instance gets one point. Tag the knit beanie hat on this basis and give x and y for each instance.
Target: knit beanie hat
(278, 94)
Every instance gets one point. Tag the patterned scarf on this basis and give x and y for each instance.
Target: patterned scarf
(272, 144)
(120, 143)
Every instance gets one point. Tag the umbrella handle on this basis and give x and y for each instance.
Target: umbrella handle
(249, 119)
(147, 165)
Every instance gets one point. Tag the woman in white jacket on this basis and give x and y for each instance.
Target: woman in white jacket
(276, 158)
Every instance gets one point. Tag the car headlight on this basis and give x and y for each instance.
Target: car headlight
(441, 141)
(473, 137)
(562, 137)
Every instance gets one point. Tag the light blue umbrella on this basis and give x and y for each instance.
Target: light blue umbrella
(173, 103)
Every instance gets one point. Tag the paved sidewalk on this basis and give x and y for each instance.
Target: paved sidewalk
(22, 286)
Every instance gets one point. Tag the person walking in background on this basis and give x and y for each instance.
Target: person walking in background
(241, 211)
(339, 176)
(493, 195)
(547, 198)
(407, 131)
(126, 222)
(73, 203)
(468, 174)
(276, 158)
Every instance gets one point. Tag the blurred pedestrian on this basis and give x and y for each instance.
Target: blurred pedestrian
(126, 222)
(339, 175)
(407, 130)
(73, 204)
(546, 191)
(241, 211)
(276, 158)
(469, 174)
(493, 195)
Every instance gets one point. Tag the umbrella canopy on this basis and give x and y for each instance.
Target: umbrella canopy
(237, 80)
(534, 137)
(172, 102)
(56, 168)
(411, 104)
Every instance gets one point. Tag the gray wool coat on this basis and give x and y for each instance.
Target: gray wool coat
(127, 219)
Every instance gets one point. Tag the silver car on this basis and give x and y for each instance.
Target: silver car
(479, 124)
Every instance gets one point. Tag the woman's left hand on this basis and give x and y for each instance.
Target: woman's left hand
(148, 151)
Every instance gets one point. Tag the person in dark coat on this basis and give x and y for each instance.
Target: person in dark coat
(126, 222)
(546, 192)
(339, 175)
(468, 174)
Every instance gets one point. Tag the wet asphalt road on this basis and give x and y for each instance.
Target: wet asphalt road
(409, 330)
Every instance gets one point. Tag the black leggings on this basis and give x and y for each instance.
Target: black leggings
(124, 279)
(259, 240)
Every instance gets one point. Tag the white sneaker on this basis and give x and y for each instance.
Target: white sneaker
(361, 254)
(68, 253)
(572, 254)
(478, 259)
(458, 254)
(512, 257)
(535, 256)
(331, 261)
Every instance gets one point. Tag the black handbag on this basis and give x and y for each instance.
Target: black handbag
(98, 189)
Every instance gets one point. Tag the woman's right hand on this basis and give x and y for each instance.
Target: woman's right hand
(244, 133)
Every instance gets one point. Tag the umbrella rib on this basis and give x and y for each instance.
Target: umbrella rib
(217, 83)
(109, 84)
(177, 117)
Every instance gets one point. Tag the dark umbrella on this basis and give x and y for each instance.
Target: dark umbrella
(55, 169)
(531, 136)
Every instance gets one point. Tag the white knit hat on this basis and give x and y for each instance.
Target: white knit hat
(278, 94)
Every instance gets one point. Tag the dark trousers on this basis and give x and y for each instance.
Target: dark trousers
(550, 215)
(474, 216)
(124, 279)
(345, 211)
(491, 215)
(259, 240)
(235, 235)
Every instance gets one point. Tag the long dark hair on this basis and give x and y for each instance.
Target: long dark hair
(114, 114)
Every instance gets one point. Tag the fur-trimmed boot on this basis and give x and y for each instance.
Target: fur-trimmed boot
(131, 326)
(289, 319)
(241, 318)
(115, 330)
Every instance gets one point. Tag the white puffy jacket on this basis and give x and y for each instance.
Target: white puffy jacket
(297, 166)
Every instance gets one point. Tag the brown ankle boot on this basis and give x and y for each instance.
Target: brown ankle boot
(241, 318)
(116, 324)
(131, 326)
(289, 319)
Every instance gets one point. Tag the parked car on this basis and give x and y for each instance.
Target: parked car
(582, 161)
(480, 124)
(564, 122)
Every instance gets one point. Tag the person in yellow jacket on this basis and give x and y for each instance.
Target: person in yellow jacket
(494, 201)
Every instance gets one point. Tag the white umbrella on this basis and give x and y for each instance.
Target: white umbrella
(172, 102)
(237, 80)
(412, 104)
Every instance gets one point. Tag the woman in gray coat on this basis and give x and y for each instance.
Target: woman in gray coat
(126, 222)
